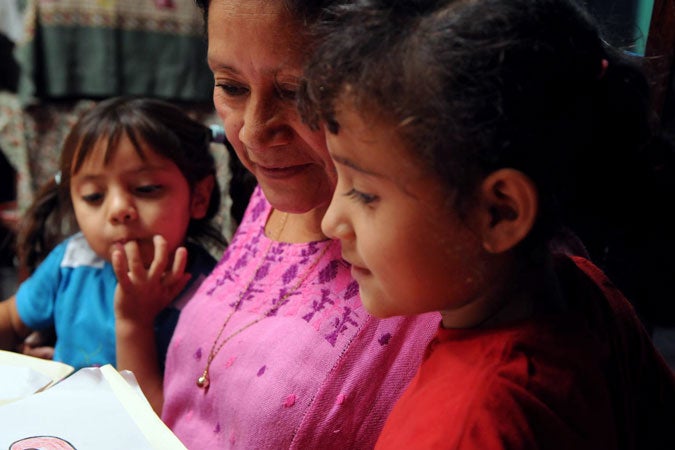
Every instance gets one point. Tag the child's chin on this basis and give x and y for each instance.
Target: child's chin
(376, 311)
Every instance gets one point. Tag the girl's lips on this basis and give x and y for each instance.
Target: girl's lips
(359, 272)
(362, 271)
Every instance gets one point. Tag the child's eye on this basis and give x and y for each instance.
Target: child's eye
(148, 189)
(232, 90)
(93, 199)
(361, 196)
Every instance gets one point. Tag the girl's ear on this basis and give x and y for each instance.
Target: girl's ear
(201, 196)
(510, 208)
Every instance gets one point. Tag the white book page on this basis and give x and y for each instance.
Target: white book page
(22, 375)
(95, 408)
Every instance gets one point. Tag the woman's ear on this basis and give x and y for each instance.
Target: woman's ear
(510, 205)
(201, 196)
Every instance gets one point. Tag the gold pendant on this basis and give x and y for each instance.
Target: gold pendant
(203, 381)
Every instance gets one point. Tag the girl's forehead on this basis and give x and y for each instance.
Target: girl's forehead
(101, 151)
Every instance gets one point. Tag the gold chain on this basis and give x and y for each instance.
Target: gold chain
(204, 380)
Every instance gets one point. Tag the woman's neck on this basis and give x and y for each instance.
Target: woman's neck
(295, 228)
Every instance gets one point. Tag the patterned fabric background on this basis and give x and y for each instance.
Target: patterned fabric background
(112, 47)
(77, 52)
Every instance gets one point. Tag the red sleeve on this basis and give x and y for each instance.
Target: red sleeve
(643, 385)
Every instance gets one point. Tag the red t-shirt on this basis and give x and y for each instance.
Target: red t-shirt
(588, 378)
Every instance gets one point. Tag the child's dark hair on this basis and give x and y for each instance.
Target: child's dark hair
(160, 125)
(476, 85)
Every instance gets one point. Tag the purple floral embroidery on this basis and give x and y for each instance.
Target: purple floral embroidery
(341, 325)
(261, 371)
(290, 274)
(227, 276)
(319, 305)
(384, 339)
(258, 209)
(277, 251)
(352, 290)
(262, 272)
(198, 354)
(329, 272)
(241, 262)
(216, 429)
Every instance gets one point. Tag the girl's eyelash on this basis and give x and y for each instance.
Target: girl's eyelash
(361, 196)
(92, 198)
(148, 189)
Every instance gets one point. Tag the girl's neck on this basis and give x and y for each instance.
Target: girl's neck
(533, 287)
(295, 228)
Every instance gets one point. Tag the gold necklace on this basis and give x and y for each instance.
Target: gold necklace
(204, 380)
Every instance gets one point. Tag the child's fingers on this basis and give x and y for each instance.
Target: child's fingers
(134, 259)
(176, 279)
(160, 258)
(121, 268)
(177, 286)
(179, 261)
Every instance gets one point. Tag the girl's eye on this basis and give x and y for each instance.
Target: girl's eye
(361, 196)
(93, 199)
(148, 189)
(232, 90)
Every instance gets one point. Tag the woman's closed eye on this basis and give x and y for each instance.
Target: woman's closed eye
(361, 197)
(232, 89)
(287, 92)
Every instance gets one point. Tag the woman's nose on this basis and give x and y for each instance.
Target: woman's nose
(266, 123)
(122, 209)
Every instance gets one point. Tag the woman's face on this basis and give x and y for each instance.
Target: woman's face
(256, 52)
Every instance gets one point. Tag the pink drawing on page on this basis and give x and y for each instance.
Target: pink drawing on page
(42, 443)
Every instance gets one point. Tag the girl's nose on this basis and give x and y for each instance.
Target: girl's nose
(265, 123)
(334, 223)
(122, 210)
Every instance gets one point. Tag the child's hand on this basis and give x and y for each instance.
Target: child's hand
(39, 344)
(142, 293)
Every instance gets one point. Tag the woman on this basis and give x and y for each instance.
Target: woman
(275, 349)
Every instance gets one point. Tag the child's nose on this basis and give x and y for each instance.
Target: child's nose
(122, 210)
(335, 224)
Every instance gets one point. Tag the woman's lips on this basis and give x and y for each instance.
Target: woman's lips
(281, 172)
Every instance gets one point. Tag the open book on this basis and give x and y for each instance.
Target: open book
(43, 404)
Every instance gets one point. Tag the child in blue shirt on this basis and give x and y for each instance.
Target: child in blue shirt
(138, 177)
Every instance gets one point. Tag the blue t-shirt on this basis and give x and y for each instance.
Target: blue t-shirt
(73, 290)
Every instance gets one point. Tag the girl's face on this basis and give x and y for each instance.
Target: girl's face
(256, 54)
(131, 199)
(409, 252)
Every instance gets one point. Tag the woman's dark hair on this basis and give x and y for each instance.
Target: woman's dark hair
(161, 126)
(474, 86)
(304, 11)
